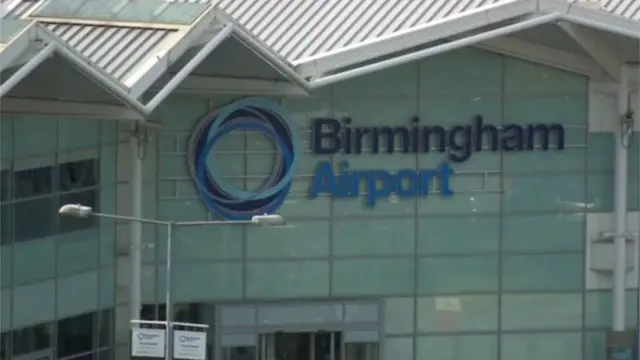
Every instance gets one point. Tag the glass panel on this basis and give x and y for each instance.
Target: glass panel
(541, 311)
(32, 339)
(564, 193)
(33, 304)
(527, 77)
(240, 353)
(454, 235)
(458, 347)
(367, 351)
(75, 335)
(398, 348)
(33, 182)
(457, 274)
(287, 279)
(380, 237)
(224, 281)
(104, 328)
(203, 242)
(5, 185)
(6, 222)
(545, 346)
(298, 240)
(33, 261)
(27, 212)
(554, 232)
(6, 266)
(399, 315)
(595, 345)
(458, 313)
(599, 194)
(373, 276)
(543, 272)
(598, 307)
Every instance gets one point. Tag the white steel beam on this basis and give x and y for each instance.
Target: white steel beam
(546, 55)
(318, 65)
(195, 84)
(593, 43)
(83, 110)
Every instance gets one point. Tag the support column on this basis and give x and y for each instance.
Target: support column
(620, 204)
(131, 152)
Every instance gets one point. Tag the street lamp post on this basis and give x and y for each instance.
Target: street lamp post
(81, 211)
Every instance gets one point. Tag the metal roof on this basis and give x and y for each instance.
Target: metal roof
(120, 51)
(17, 9)
(299, 29)
(624, 8)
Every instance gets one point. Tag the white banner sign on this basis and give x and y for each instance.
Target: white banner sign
(148, 342)
(189, 345)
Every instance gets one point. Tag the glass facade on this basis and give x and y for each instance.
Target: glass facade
(58, 273)
(495, 272)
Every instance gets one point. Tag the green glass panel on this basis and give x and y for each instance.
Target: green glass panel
(458, 235)
(537, 161)
(6, 265)
(598, 309)
(398, 348)
(184, 13)
(6, 136)
(182, 210)
(98, 10)
(458, 274)
(476, 202)
(399, 315)
(463, 71)
(108, 169)
(543, 272)
(379, 111)
(358, 206)
(595, 345)
(373, 276)
(34, 260)
(567, 110)
(292, 279)
(456, 347)
(59, 8)
(139, 11)
(207, 242)
(78, 251)
(527, 77)
(301, 239)
(542, 346)
(224, 282)
(107, 288)
(599, 193)
(541, 311)
(302, 110)
(380, 237)
(452, 110)
(37, 130)
(564, 193)
(458, 313)
(183, 112)
(600, 152)
(400, 82)
(300, 206)
(552, 232)
(34, 304)
(77, 294)
(5, 310)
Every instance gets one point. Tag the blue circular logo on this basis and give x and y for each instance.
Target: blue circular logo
(252, 114)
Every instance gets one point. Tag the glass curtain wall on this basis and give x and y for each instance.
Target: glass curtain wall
(495, 272)
(57, 273)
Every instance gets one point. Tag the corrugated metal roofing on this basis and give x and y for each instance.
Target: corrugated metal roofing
(297, 29)
(21, 9)
(625, 8)
(119, 51)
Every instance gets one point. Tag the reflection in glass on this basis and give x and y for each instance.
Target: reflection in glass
(33, 182)
(35, 218)
(363, 351)
(240, 353)
(75, 335)
(32, 339)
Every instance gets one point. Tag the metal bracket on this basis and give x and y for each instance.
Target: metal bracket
(609, 236)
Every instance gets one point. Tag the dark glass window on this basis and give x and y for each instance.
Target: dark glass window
(5, 185)
(104, 328)
(31, 339)
(33, 182)
(78, 181)
(6, 223)
(4, 346)
(35, 218)
(75, 335)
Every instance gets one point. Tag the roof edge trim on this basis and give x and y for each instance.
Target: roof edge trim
(265, 53)
(17, 46)
(435, 50)
(415, 36)
(139, 82)
(26, 69)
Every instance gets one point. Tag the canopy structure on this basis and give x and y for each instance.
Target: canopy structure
(146, 49)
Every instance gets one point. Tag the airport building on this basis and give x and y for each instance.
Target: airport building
(459, 179)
